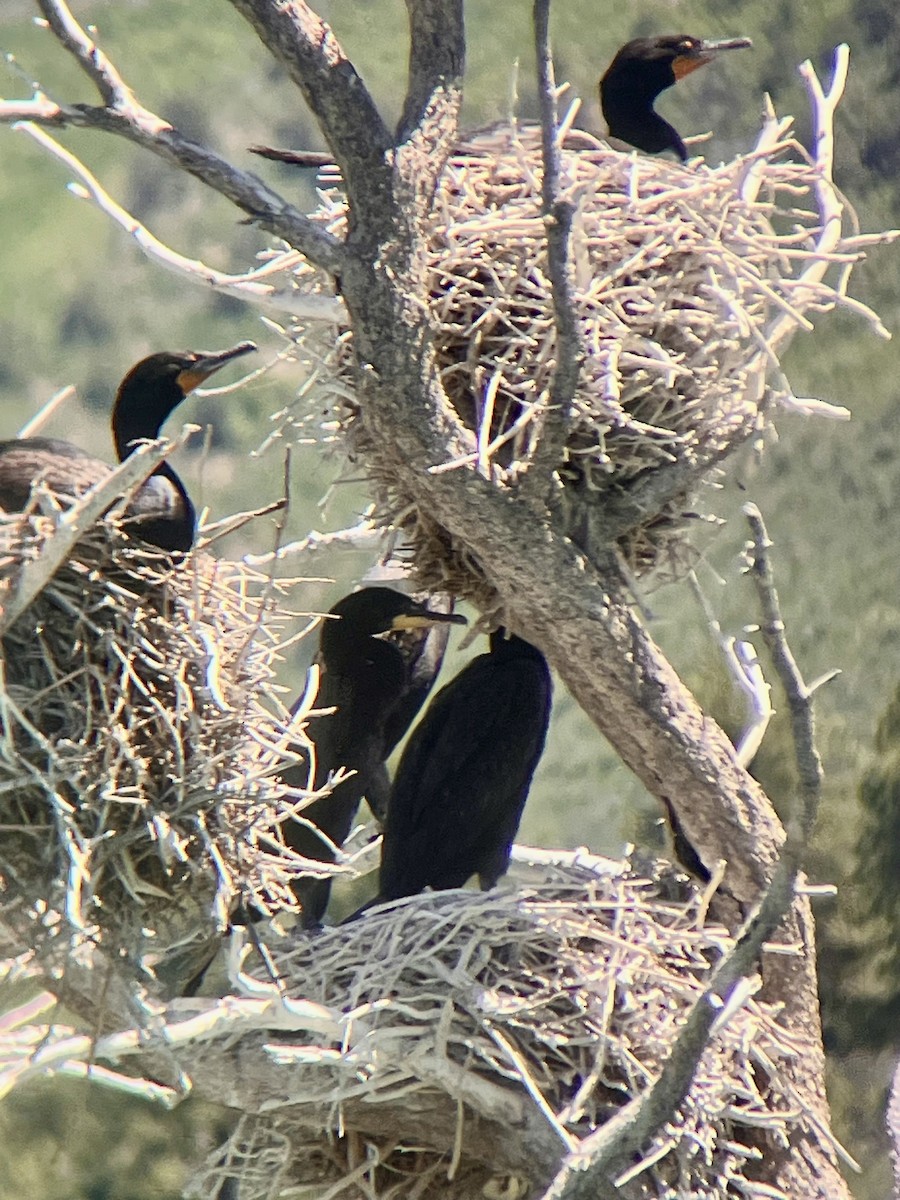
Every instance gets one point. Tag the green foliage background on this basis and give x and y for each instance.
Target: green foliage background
(80, 304)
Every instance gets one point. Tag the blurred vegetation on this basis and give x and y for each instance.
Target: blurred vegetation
(79, 1141)
(81, 304)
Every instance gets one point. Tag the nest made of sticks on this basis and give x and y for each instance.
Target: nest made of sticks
(687, 282)
(140, 732)
(485, 1035)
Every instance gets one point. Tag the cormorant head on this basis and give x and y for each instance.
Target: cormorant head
(155, 386)
(641, 70)
(373, 611)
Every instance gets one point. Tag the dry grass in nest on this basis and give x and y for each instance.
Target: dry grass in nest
(139, 732)
(687, 283)
(484, 1035)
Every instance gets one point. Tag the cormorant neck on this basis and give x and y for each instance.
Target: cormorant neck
(137, 417)
(140, 410)
(642, 127)
(628, 91)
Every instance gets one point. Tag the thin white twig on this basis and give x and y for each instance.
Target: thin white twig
(363, 536)
(830, 205)
(70, 1053)
(113, 90)
(744, 668)
(246, 287)
(567, 1139)
(43, 415)
(808, 406)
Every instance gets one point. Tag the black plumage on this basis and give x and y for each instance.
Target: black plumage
(161, 509)
(376, 687)
(641, 70)
(464, 775)
(422, 650)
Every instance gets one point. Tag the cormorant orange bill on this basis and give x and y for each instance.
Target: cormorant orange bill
(465, 772)
(376, 687)
(641, 70)
(161, 509)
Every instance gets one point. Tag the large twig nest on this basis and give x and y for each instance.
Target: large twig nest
(139, 733)
(440, 1046)
(484, 1036)
(687, 282)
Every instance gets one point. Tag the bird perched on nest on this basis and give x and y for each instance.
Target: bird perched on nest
(464, 775)
(641, 70)
(161, 509)
(376, 687)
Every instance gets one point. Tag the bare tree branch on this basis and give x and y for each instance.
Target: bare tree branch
(830, 204)
(431, 112)
(799, 696)
(743, 666)
(790, 982)
(251, 287)
(245, 190)
(113, 90)
(437, 49)
(558, 215)
(588, 1172)
(314, 60)
(142, 127)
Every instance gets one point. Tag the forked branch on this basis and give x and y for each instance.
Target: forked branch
(125, 117)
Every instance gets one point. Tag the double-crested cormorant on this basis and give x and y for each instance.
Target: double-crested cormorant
(640, 71)
(464, 775)
(376, 688)
(161, 509)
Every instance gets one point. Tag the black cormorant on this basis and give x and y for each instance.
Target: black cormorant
(639, 72)
(464, 775)
(376, 688)
(641, 69)
(161, 509)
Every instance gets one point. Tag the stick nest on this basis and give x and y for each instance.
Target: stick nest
(686, 280)
(137, 744)
(483, 1035)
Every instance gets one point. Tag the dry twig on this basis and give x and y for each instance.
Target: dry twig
(589, 1171)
